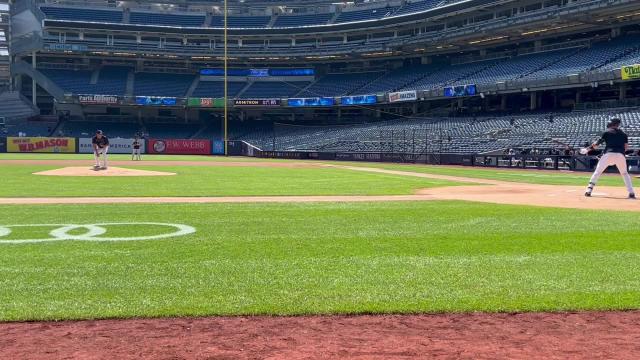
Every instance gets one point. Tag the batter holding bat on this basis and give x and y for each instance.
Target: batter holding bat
(617, 144)
(100, 149)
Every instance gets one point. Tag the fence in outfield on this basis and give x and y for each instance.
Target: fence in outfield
(241, 148)
(116, 145)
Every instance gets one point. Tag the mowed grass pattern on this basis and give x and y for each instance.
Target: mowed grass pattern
(287, 259)
(19, 181)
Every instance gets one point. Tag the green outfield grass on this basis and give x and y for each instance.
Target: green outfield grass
(545, 177)
(19, 181)
(322, 258)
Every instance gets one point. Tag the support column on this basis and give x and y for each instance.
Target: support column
(578, 97)
(615, 32)
(533, 100)
(34, 85)
(537, 45)
(503, 103)
(623, 91)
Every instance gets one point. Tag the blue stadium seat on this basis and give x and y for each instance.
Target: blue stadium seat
(341, 84)
(418, 6)
(67, 13)
(361, 15)
(241, 21)
(160, 84)
(302, 20)
(215, 89)
(111, 80)
(148, 18)
(273, 89)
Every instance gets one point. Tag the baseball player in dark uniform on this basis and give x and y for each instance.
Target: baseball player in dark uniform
(617, 144)
(135, 155)
(100, 148)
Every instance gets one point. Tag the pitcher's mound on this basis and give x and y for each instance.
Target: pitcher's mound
(112, 171)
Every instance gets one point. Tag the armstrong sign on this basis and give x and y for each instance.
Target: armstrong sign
(256, 102)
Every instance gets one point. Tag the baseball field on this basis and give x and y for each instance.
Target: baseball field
(188, 256)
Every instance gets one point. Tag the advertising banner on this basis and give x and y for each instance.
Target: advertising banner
(116, 146)
(3, 144)
(359, 100)
(155, 100)
(256, 102)
(205, 102)
(41, 145)
(179, 146)
(403, 96)
(218, 147)
(99, 99)
(630, 72)
(317, 101)
(460, 90)
(257, 72)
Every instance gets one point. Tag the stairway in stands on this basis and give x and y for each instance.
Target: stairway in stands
(15, 106)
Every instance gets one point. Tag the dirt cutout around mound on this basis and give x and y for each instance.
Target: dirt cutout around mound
(112, 171)
(583, 335)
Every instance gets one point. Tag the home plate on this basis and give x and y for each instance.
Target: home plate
(90, 171)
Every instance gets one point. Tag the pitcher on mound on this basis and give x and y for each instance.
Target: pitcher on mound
(617, 144)
(100, 149)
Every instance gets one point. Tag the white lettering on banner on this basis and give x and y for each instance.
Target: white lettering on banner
(116, 146)
(94, 232)
(98, 99)
(403, 96)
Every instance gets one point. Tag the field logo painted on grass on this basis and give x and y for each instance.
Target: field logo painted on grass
(93, 232)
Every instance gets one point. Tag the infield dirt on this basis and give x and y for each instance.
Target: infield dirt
(585, 335)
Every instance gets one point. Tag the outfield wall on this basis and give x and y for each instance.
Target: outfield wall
(241, 148)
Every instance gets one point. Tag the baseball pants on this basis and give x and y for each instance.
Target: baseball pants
(608, 159)
(136, 154)
(101, 152)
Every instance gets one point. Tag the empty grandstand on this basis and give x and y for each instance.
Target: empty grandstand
(464, 77)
